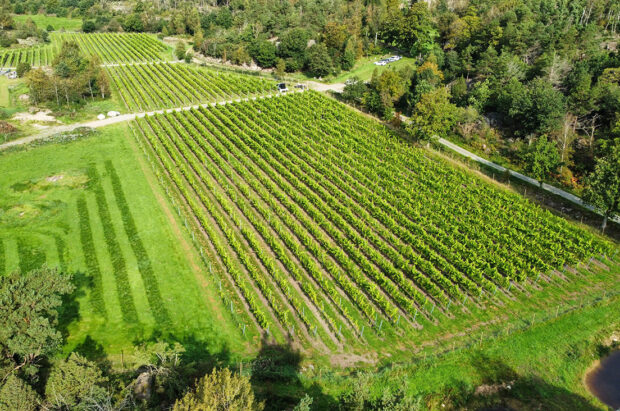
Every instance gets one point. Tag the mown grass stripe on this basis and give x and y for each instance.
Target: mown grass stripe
(119, 266)
(90, 258)
(30, 258)
(153, 294)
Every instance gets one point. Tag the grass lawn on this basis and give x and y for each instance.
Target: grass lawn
(58, 23)
(94, 209)
(544, 366)
(5, 100)
(365, 66)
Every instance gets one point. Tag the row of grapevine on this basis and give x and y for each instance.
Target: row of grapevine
(322, 217)
(165, 85)
(113, 48)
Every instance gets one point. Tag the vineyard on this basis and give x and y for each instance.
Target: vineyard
(164, 85)
(112, 48)
(116, 47)
(37, 56)
(323, 225)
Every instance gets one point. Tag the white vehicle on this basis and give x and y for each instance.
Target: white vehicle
(282, 87)
(101, 117)
(381, 63)
(395, 58)
(113, 113)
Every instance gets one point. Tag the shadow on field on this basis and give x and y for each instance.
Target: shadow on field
(69, 311)
(505, 390)
(276, 379)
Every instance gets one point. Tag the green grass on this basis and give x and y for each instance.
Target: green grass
(544, 364)
(5, 100)
(365, 66)
(58, 23)
(57, 220)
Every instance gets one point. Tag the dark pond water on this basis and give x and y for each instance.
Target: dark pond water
(604, 381)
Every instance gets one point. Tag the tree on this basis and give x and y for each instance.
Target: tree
(133, 22)
(180, 50)
(280, 68)
(293, 45)
(541, 158)
(458, 90)
(88, 26)
(418, 32)
(319, 62)
(603, 185)
(354, 90)
(536, 108)
(188, 57)
(264, 52)
(17, 395)
(74, 381)
(433, 115)
(39, 84)
(28, 317)
(22, 68)
(220, 390)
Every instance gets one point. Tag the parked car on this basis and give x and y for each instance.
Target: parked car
(395, 58)
(381, 63)
(282, 87)
(300, 86)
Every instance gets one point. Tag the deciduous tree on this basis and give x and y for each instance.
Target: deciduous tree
(603, 185)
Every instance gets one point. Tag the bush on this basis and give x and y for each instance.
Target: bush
(88, 26)
(220, 390)
(22, 69)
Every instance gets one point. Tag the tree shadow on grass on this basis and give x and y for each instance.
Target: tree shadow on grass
(276, 379)
(505, 389)
(69, 311)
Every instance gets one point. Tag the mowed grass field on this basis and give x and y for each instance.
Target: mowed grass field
(92, 208)
(58, 23)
